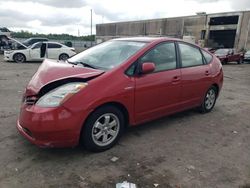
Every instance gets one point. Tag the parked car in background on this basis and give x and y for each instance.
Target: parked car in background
(93, 96)
(5, 32)
(55, 50)
(247, 56)
(227, 55)
(4, 39)
(34, 40)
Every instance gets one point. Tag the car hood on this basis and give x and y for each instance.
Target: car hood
(220, 56)
(52, 70)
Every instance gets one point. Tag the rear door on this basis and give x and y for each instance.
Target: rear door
(54, 50)
(195, 75)
(158, 93)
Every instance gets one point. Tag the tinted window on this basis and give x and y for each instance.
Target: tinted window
(4, 29)
(190, 56)
(52, 45)
(207, 56)
(163, 56)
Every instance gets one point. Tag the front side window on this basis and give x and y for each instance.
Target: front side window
(190, 56)
(108, 54)
(163, 56)
(36, 45)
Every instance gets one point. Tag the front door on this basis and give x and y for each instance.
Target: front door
(35, 52)
(158, 93)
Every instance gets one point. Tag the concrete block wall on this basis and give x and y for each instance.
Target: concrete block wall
(244, 39)
(176, 27)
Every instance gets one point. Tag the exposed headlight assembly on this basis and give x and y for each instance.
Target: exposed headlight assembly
(60, 94)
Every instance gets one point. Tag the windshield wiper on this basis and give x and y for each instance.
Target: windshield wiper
(82, 63)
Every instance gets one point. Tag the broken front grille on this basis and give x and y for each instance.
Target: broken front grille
(30, 100)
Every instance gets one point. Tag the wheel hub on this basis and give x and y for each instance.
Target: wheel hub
(105, 129)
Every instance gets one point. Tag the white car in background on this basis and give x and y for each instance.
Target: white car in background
(5, 32)
(55, 50)
(247, 56)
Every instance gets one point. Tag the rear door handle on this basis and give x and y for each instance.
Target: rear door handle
(176, 79)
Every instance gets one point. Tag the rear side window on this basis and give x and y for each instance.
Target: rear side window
(163, 56)
(52, 45)
(207, 56)
(190, 56)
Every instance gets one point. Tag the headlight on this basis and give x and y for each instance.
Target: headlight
(8, 52)
(59, 95)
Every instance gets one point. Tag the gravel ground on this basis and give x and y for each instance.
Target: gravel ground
(185, 150)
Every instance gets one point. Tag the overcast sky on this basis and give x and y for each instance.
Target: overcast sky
(69, 16)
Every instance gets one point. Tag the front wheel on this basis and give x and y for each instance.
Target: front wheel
(19, 58)
(209, 100)
(103, 129)
(240, 61)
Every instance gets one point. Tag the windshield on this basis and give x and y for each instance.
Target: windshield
(248, 52)
(108, 54)
(221, 52)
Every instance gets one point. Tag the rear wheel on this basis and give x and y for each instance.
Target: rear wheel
(19, 58)
(224, 62)
(63, 57)
(103, 129)
(209, 100)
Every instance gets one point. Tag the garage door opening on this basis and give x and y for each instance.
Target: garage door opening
(222, 38)
(224, 20)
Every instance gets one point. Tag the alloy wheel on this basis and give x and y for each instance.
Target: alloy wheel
(210, 99)
(105, 129)
(19, 58)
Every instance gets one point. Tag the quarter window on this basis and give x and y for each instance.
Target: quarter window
(163, 56)
(190, 56)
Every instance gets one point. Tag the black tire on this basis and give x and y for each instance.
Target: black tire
(92, 130)
(19, 58)
(209, 102)
(240, 61)
(63, 57)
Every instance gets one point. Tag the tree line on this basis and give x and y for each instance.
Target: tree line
(26, 34)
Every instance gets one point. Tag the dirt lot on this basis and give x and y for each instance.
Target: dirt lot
(184, 150)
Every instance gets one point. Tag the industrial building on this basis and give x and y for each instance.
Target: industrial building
(228, 30)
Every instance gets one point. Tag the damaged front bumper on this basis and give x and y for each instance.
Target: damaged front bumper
(50, 127)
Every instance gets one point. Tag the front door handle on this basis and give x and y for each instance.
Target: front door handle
(207, 73)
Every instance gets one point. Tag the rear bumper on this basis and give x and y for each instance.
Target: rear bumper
(50, 127)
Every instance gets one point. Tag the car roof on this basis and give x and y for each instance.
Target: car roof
(147, 39)
(50, 42)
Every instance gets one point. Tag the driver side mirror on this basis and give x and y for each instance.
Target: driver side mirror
(147, 67)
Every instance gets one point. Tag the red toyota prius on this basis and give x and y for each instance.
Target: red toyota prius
(93, 96)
